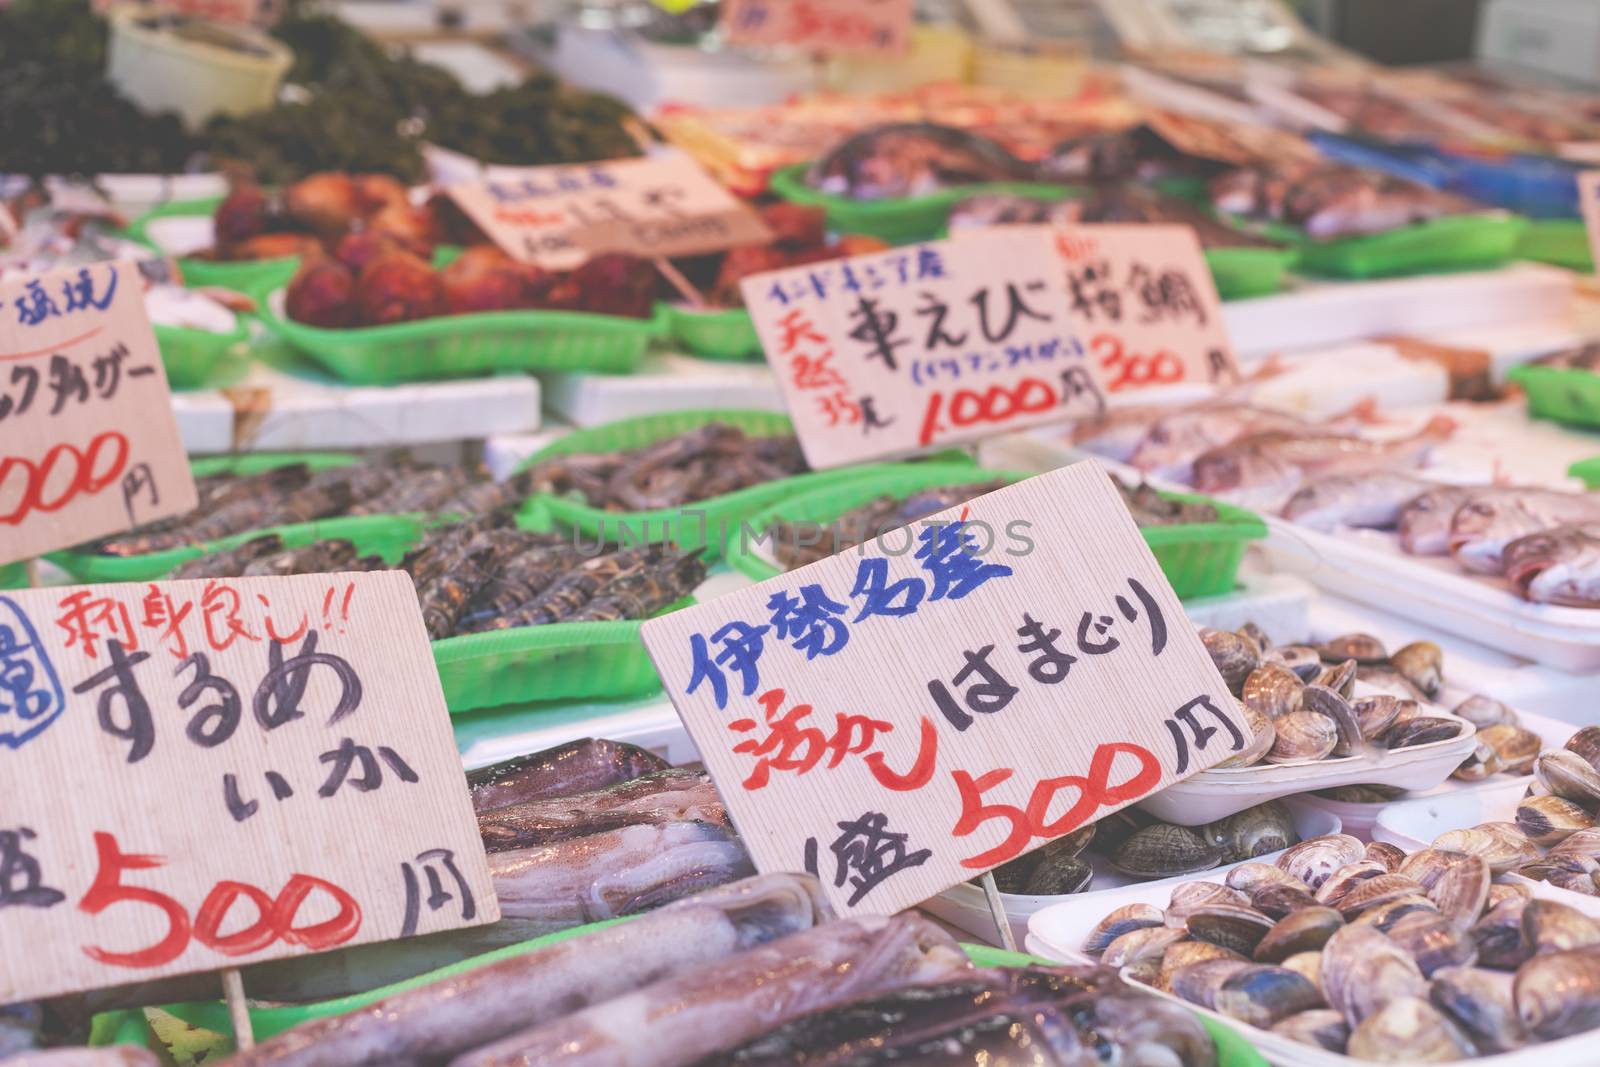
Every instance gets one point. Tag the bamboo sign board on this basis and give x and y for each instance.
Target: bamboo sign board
(1145, 304)
(557, 217)
(904, 716)
(205, 774)
(847, 27)
(88, 442)
(1589, 200)
(890, 353)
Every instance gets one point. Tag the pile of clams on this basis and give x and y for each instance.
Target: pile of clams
(1299, 699)
(1366, 951)
(1140, 845)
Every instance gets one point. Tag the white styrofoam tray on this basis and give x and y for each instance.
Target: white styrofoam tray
(966, 907)
(1058, 933)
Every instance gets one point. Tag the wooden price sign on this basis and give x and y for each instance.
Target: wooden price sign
(894, 352)
(1143, 299)
(557, 217)
(874, 27)
(1589, 200)
(204, 774)
(88, 442)
(905, 716)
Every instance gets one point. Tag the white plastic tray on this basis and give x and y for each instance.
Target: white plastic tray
(965, 906)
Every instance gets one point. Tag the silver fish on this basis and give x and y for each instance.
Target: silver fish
(1485, 525)
(1557, 566)
(1424, 522)
(1371, 500)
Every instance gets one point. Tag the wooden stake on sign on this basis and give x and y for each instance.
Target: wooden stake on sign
(244, 1035)
(32, 567)
(676, 279)
(997, 910)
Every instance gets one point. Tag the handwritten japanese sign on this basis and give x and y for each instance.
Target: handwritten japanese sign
(202, 774)
(557, 217)
(1143, 299)
(1589, 200)
(88, 443)
(880, 27)
(901, 717)
(893, 352)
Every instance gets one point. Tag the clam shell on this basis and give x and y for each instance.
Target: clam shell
(1341, 678)
(1551, 926)
(1375, 891)
(1165, 850)
(1499, 936)
(1183, 953)
(1549, 820)
(1515, 746)
(1301, 659)
(1423, 730)
(1390, 856)
(1187, 896)
(1567, 774)
(1308, 964)
(1327, 702)
(1515, 891)
(1572, 872)
(1559, 994)
(1479, 1001)
(1303, 736)
(1252, 832)
(1305, 930)
(1321, 1027)
(1408, 1030)
(1261, 995)
(1347, 878)
(1258, 635)
(1262, 735)
(1278, 899)
(1362, 794)
(1312, 861)
(1198, 982)
(1249, 877)
(1462, 890)
(1383, 917)
(1586, 743)
(1142, 947)
(1363, 648)
(1235, 656)
(1483, 762)
(1230, 926)
(1422, 664)
(1362, 970)
(1058, 876)
(1501, 851)
(1375, 714)
(1272, 690)
(1122, 920)
(1483, 711)
(1583, 843)
(1434, 942)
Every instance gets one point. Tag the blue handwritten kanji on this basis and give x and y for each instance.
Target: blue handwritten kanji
(946, 552)
(31, 696)
(741, 645)
(880, 596)
(811, 622)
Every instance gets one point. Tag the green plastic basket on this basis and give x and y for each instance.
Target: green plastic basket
(727, 334)
(254, 277)
(191, 355)
(14, 575)
(1199, 559)
(1587, 471)
(905, 220)
(462, 346)
(1241, 273)
(708, 524)
(1560, 242)
(1560, 394)
(1452, 243)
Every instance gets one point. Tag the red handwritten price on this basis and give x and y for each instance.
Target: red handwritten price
(276, 917)
(46, 475)
(999, 403)
(1130, 370)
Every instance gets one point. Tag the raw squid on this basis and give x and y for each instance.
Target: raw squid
(679, 1020)
(577, 767)
(666, 796)
(450, 1016)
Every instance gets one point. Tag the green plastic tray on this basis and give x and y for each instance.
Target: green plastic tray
(905, 220)
(1241, 273)
(727, 335)
(460, 346)
(1561, 242)
(695, 525)
(190, 355)
(1201, 559)
(254, 277)
(14, 575)
(1587, 471)
(1456, 242)
(1560, 394)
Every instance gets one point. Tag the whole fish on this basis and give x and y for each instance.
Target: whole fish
(1117, 432)
(1483, 526)
(679, 1020)
(581, 766)
(1557, 566)
(230, 562)
(672, 795)
(1369, 500)
(614, 872)
(1424, 522)
(1173, 442)
(454, 1014)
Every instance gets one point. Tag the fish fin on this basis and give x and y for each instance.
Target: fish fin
(1440, 427)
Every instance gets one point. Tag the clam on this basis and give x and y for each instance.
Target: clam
(1121, 921)
(1187, 896)
(1363, 648)
(1462, 889)
(1483, 711)
(1302, 735)
(1230, 926)
(1272, 690)
(1586, 743)
(1247, 878)
(1385, 677)
(1559, 994)
(1361, 794)
(1262, 735)
(1327, 702)
(1142, 950)
(1375, 891)
(1566, 774)
(1551, 926)
(1479, 1001)
(1198, 982)
(1341, 678)
(1500, 850)
(1406, 710)
(1252, 832)
(1235, 656)
(1375, 714)
(1548, 820)
(1423, 730)
(1434, 942)
(1278, 899)
(1515, 747)
(1571, 871)
(1515, 891)
(1483, 762)
(1321, 1027)
(1383, 917)
(1390, 856)
(1183, 953)
(1305, 930)
(1314, 860)
(1164, 850)
(1308, 964)
(1499, 937)
(1060, 868)
(1302, 659)
(1422, 664)
(1347, 878)
(1258, 635)
(1362, 970)
(1584, 842)
(1408, 1030)
(1261, 995)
